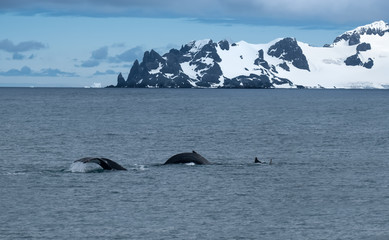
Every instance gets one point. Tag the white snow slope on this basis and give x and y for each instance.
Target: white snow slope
(327, 64)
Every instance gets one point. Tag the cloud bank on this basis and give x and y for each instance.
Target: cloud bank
(9, 46)
(107, 72)
(279, 11)
(28, 72)
(100, 55)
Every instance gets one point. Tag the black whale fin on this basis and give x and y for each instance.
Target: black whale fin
(256, 160)
(113, 164)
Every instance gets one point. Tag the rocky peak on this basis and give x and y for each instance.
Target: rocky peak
(196, 46)
(173, 58)
(121, 81)
(152, 60)
(353, 36)
(379, 27)
(224, 45)
(288, 49)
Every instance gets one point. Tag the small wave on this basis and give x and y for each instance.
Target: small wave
(13, 173)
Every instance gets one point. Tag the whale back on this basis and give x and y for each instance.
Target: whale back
(192, 157)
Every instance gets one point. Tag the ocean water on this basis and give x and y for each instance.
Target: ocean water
(329, 178)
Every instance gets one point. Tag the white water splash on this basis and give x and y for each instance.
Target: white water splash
(140, 167)
(83, 167)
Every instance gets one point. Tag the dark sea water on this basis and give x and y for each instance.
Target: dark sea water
(329, 178)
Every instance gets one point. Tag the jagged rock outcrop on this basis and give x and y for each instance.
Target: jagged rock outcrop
(363, 47)
(121, 81)
(288, 49)
(369, 64)
(224, 45)
(260, 61)
(355, 60)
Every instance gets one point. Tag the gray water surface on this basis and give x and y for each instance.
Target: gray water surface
(329, 178)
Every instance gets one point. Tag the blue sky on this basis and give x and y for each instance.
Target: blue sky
(75, 43)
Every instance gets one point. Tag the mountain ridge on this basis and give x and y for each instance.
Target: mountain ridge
(356, 59)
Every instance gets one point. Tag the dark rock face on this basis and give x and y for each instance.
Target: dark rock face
(369, 64)
(121, 81)
(172, 65)
(353, 60)
(210, 70)
(140, 74)
(363, 47)
(152, 60)
(260, 61)
(284, 66)
(261, 55)
(135, 73)
(288, 49)
(224, 45)
(281, 81)
(252, 81)
(353, 39)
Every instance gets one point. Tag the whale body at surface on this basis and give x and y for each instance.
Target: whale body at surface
(188, 157)
(105, 163)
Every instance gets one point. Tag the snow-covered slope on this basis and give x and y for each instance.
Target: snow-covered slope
(356, 59)
(328, 67)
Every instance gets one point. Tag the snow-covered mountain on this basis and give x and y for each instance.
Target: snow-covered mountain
(356, 59)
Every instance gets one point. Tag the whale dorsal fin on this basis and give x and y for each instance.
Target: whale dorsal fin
(256, 160)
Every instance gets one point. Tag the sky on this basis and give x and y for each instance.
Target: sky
(77, 43)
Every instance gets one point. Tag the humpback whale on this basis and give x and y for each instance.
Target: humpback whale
(105, 163)
(188, 157)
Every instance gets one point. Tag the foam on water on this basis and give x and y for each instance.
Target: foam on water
(190, 164)
(140, 167)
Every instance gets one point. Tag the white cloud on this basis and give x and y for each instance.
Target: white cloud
(101, 53)
(129, 55)
(9, 46)
(107, 72)
(45, 72)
